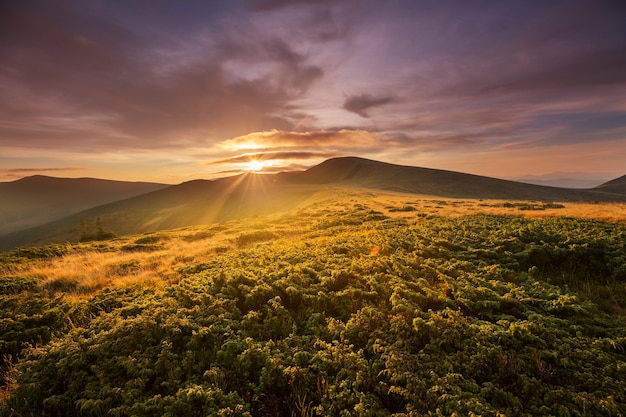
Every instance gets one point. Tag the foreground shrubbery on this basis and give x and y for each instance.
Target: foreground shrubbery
(358, 314)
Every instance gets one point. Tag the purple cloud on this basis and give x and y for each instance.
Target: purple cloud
(442, 77)
(360, 103)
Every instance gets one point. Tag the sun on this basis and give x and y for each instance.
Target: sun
(255, 165)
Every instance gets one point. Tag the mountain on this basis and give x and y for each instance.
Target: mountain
(247, 195)
(39, 199)
(565, 179)
(616, 186)
(365, 173)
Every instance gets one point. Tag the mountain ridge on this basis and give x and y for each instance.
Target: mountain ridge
(39, 199)
(209, 201)
(442, 183)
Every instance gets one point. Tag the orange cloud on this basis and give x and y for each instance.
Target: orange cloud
(322, 138)
(272, 156)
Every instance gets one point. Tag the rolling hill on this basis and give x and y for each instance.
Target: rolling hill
(616, 186)
(190, 203)
(359, 172)
(39, 199)
(203, 201)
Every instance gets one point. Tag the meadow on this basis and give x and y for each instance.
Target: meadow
(356, 303)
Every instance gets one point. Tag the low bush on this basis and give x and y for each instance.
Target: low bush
(357, 315)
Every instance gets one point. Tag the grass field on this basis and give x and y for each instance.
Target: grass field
(354, 303)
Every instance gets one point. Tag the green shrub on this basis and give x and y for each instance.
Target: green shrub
(358, 315)
(16, 284)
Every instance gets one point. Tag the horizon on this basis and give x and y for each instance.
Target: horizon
(168, 93)
(555, 179)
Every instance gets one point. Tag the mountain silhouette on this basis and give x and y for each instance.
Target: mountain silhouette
(39, 199)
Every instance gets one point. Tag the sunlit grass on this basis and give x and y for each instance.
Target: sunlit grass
(153, 259)
(348, 292)
(452, 207)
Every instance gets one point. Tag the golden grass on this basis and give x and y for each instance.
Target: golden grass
(85, 271)
(82, 273)
(450, 207)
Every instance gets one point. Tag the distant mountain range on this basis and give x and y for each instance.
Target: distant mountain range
(39, 210)
(577, 180)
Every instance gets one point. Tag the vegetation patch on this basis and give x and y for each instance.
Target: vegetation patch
(199, 235)
(140, 247)
(16, 284)
(62, 284)
(402, 209)
(151, 239)
(532, 206)
(35, 252)
(94, 230)
(255, 237)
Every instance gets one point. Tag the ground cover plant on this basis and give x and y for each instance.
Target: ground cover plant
(356, 305)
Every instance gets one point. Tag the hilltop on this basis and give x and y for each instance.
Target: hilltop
(365, 173)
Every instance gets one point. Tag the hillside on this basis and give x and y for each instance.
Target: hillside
(36, 200)
(353, 304)
(191, 203)
(204, 202)
(617, 186)
(382, 176)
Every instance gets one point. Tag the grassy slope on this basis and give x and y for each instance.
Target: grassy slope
(357, 302)
(618, 186)
(191, 203)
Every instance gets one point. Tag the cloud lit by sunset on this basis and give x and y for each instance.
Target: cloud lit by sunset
(168, 92)
(354, 139)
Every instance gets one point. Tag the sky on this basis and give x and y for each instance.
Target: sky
(169, 91)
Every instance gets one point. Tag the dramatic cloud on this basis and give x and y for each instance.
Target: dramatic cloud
(360, 103)
(269, 156)
(81, 82)
(279, 147)
(446, 82)
(318, 139)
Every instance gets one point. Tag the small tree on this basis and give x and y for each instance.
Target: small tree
(102, 233)
(84, 230)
